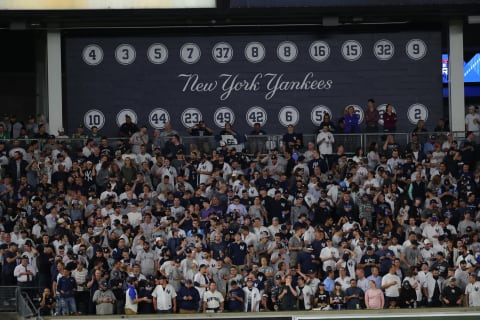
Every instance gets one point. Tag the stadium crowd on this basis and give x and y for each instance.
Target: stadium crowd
(140, 226)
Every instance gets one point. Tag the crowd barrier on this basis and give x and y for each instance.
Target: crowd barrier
(23, 302)
(386, 314)
(254, 144)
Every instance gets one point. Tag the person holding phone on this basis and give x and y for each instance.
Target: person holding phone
(288, 295)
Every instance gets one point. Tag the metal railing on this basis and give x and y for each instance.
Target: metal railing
(25, 306)
(350, 142)
(8, 299)
(19, 300)
(263, 143)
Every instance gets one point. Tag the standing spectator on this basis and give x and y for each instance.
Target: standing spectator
(4, 134)
(472, 121)
(389, 119)
(391, 283)
(252, 297)
(343, 278)
(327, 120)
(465, 223)
(257, 142)
(373, 157)
(354, 296)
(288, 295)
(351, 121)
(452, 295)
(295, 244)
(42, 121)
(305, 294)
(325, 141)
(237, 252)
(167, 170)
(138, 139)
(127, 173)
(386, 257)
(432, 288)
(146, 259)
(201, 130)
(441, 263)
(408, 296)
(66, 288)
(81, 294)
(417, 189)
(292, 140)
(42, 133)
(145, 306)
(236, 298)
(79, 134)
(157, 141)
(44, 264)
(31, 125)
(174, 146)
(371, 117)
(25, 273)
(131, 297)
(420, 128)
(94, 282)
(219, 273)
(329, 256)
(412, 278)
(128, 128)
(188, 298)
(213, 300)
(442, 126)
(117, 284)
(362, 281)
(467, 149)
(17, 167)
(104, 299)
(411, 255)
(164, 297)
(472, 291)
(279, 208)
(374, 298)
(95, 134)
(204, 170)
(168, 131)
(9, 264)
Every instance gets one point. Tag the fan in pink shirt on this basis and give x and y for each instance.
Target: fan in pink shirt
(374, 298)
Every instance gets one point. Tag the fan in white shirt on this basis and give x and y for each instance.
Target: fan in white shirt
(473, 291)
(329, 256)
(472, 120)
(204, 169)
(134, 216)
(325, 141)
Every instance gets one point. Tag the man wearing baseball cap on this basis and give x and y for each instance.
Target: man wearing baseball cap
(131, 297)
(164, 297)
(252, 297)
(188, 298)
(452, 295)
(104, 298)
(9, 264)
(473, 291)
